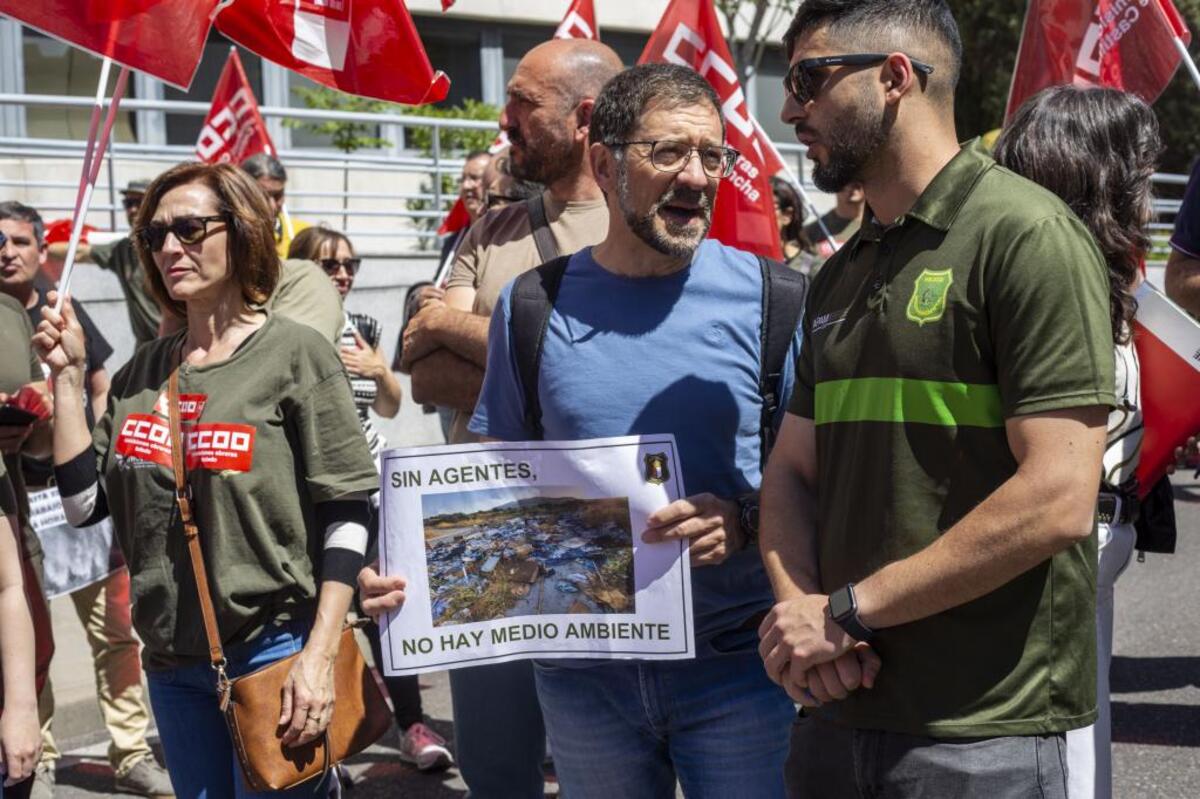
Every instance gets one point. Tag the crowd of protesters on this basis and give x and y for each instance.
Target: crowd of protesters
(905, 539)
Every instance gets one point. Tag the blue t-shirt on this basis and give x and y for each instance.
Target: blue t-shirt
(641, 356)
(1186, 237)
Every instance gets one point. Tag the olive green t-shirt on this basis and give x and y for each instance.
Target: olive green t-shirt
(19, 366)
(988, 300)
(120, 258)
(270, 432)
(305, 294)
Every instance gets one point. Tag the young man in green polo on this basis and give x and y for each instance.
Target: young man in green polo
(933, 490)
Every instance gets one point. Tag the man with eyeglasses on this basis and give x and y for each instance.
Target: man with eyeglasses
(499, 735)
(118, 257)
(933, 490)
(656, 329)
(102, 607)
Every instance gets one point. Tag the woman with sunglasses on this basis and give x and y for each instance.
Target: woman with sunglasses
(277, 474)
(1097, 150)
(374, 385)
(376, 388)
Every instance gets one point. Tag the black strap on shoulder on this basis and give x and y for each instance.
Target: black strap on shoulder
(784, 292)
(533, 298)
(543, 237)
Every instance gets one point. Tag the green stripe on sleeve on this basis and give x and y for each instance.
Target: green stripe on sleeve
(894, 399)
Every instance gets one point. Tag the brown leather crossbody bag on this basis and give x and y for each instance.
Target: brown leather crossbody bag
(251, 703)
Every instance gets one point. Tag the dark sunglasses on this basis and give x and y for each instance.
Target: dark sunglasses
(131, 203)
(187, 229)
(806, 77)
(501, 200)
(331, 265)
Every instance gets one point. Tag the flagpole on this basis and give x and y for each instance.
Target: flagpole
(91, 172)
(1187, 60)
(93, 129)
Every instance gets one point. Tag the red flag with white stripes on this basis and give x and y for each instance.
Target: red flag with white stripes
(744, 216)
(579, 22)
(1168, 349)
(1123, 44)
(233, 130)
(364, 47)
(163, 38)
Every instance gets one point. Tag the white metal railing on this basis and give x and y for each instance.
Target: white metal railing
(412, 225)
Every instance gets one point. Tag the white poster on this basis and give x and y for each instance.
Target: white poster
(532, 550)
(71, 557)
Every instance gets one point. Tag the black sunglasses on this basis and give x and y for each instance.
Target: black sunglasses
(331, 265)
(188, 229)
(804, 79)
(501, 200)
(131, 202)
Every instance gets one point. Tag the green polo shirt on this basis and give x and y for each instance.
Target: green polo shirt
(987, 300)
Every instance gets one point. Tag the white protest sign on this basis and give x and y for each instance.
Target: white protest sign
(532, 550)
(71, 558)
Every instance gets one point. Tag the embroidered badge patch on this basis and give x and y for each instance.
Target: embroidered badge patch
(656, 468)
(928, 300)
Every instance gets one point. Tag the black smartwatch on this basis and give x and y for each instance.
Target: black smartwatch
(843, 607)
(747, 506)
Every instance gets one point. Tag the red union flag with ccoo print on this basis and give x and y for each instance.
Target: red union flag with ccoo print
(579, 22)
(1123, 44)
(163, 38)
(364, 47)
(1168, 348)
(744, 217)
(233, 130)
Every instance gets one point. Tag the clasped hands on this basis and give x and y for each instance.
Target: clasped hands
(812, 658)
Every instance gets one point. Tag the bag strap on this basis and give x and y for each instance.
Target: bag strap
(543, 237)
(784, 292)
(183, 498)
(533, 296)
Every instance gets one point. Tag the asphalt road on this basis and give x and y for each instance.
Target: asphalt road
(1155, 686)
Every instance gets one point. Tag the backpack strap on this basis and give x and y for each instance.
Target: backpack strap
(533, 296)
(784, 293)
(543, 237)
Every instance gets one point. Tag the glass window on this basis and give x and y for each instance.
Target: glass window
(185, 128)
(52, 67)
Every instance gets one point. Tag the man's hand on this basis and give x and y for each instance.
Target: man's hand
(835, 679)
(363, 361)
(378, 594)
(420, 337)
(708, 523)
(1187, 456)
(801, 634)
(428, 295)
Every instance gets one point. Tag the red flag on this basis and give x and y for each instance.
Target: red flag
(1124, 44)
(364, 47)
(446, 4)
(744, 216)
(1168, 349)
(233, 130)
(456, 220)
(163, 38)
(579, 22)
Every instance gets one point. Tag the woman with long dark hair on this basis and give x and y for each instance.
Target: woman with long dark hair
(1097, 150)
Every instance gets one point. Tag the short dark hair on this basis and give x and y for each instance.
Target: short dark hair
(786, 197)
(264, 166)
(23, 213)
(1097, 149)
(623, 100)
(471, 156)
(898, 25)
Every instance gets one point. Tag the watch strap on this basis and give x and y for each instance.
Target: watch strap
(849, 620)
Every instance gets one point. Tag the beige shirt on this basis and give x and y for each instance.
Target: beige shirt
(500, 246)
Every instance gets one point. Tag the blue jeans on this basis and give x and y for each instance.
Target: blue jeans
(195, 740)
(631, 728)
(498, 733)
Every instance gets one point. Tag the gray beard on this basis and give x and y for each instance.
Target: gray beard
(679, 243)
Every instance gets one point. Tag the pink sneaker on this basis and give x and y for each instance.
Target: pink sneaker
(425, 749)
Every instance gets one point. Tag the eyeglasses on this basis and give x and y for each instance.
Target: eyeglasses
(188, 229)
(132, 203)
(674, 156)
(331, 265)
(804, 80)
